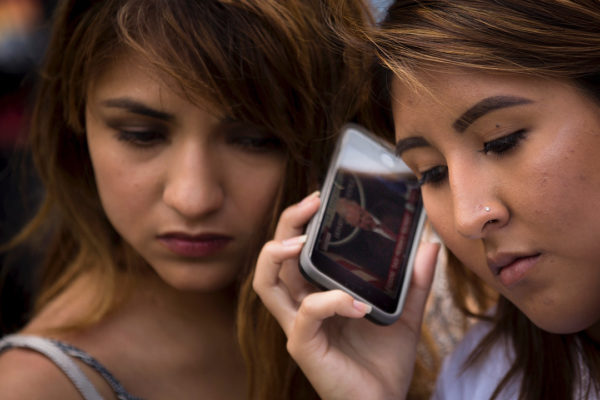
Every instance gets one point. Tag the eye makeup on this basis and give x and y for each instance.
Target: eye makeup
(484, 107)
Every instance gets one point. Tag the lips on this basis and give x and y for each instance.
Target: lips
(194, 246)
(512, 268)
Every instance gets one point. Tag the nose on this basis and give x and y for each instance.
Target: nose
(194, 186)
(477, 206)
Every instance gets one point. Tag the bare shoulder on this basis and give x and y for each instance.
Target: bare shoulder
(25, 374)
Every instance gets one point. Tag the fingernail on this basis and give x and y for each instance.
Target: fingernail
(429, 234)
(294, 241)
(308, 198)
(362, 307)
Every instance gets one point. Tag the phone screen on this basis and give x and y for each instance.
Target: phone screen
(366, 233)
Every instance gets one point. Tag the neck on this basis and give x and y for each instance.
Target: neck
(195, 331)
(199, 320)
(163, 329)
(148, 298)
(191, 307)
(594, 332)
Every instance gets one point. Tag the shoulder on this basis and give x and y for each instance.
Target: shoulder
(25, 374)
(479, 380)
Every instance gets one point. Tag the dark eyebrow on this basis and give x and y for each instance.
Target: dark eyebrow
(485, 106)
(136, 107)
(410, 143)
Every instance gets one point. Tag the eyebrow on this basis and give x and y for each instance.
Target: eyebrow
(485, 106)
(137, 107)
(410, 143)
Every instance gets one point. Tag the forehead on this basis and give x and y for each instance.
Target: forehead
(131, 75)
(127, 66)
(451, 92)
(445, 83)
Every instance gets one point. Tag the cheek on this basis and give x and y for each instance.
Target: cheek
(256, 192)
(440, 214)
(470, 252)
(563, 176)
(554, 198)
(124, 191)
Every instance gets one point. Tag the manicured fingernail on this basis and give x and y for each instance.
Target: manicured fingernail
(429, 234)
(294, 241)
(362, 307)
(308, 198)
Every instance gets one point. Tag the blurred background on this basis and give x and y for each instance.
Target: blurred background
(23, 35)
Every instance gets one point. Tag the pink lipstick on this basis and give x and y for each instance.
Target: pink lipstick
(510, 268)
(194, 246)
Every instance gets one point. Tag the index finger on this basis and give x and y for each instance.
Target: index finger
(266, 283)
(420, 285)
(294, 218)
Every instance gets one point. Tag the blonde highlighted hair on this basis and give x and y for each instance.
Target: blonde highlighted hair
(556, 39)
(274, 64)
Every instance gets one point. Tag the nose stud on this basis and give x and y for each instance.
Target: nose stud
(487, 209)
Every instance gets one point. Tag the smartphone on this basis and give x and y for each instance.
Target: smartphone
(364, 237)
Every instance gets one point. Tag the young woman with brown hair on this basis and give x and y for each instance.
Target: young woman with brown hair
(169, 134)
(496, 108)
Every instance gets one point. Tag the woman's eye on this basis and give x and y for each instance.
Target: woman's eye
(505, 143)
(253, 139)
(142, 138)
(257, 143)
(434, 175)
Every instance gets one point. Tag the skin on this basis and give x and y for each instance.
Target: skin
(162, 164)
(182, 170)
(523, 146)
(342, 354)
(355, 214)
(532, 159)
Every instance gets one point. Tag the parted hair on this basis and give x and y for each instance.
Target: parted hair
(275, 64)
(557, 39)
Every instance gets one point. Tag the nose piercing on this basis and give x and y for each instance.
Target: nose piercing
(487, 209)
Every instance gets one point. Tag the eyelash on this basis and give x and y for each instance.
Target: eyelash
(251, 138)
(499, 147)
(433, 176)
(505, 143)
(256, 143)
(142, 138)
(249, 142)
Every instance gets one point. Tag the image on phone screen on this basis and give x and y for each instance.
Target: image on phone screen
(367, 227)
(364, 237)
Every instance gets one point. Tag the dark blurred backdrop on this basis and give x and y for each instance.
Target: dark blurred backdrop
(23, 36)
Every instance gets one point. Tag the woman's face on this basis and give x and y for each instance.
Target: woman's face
(510, 173)
(187, 189)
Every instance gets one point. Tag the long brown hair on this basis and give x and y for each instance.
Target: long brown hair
(549, 38)
(270, 63)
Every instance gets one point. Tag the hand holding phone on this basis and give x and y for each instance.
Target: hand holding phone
(365, 235)
(341, 353)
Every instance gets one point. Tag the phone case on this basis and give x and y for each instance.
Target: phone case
(364, 237)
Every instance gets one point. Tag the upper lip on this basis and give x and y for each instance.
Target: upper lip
(497, 261)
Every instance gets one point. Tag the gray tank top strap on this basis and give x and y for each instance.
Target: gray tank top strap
(54, 353)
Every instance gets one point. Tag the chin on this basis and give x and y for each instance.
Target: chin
(202, 284)
(562, 325)
(194, 276)
(208, 280)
